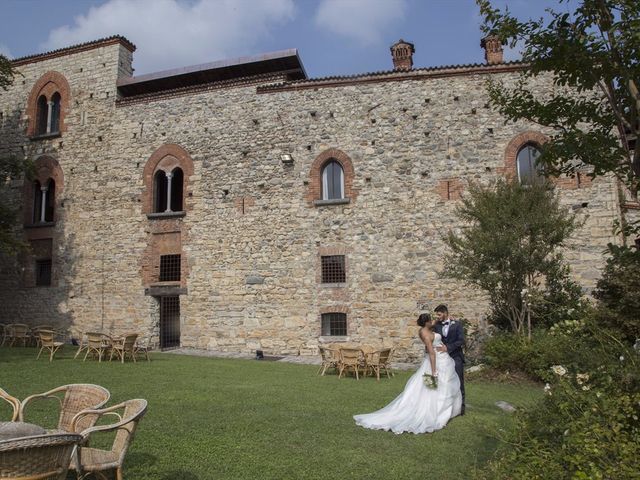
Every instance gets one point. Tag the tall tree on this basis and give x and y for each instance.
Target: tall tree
(594, 52)
(510, 247)
(10, 167)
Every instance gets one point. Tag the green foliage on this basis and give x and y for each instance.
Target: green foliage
(619, 292)
(591, 53)
(213, 418)
(7, 72)
(587, 426)
(10, 168)
(511, 244)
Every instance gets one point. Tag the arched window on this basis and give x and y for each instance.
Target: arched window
(37, 202)
(49, 201)
(177, 181)
(160, 192)
(529, 170)
(41, 115)
(332, 181)
(54, 107)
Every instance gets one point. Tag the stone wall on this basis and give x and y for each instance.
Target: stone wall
(251, 239)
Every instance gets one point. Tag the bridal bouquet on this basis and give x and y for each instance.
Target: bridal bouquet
(430, 381)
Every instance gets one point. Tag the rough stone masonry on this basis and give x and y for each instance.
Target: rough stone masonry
(245, 142)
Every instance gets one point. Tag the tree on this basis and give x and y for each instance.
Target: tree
(510, 247)
(592, 52)
(10, 167)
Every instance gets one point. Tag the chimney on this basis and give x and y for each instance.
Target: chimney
(492, 49)
(402, 55)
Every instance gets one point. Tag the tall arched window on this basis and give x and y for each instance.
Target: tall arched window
(54, 107)
(529, 170)
(160, 192)
(37, 202)
(332, 181)
(41, 115)
(177, 182)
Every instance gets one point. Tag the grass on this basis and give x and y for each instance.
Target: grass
(213, 418)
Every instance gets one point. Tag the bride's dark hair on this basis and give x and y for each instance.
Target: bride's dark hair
(423, 319)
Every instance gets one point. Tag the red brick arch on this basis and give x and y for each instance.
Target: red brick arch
(47, 85)
(314, 191)
(45, 168)
(167, 157)
(510, 168)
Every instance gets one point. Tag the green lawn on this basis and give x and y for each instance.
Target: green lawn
(212, 418)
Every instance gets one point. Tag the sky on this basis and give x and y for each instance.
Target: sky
(333, 37)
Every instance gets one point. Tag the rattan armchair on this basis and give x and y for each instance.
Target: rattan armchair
(47, 341)
(124, 346)
(142, 347)
(13, 401)
(18, 332)
(94, 461)
(36, 329)
(4, 333)
(330, 359)
(98, 344)
(73, 399)
(379, 360)
(350, 359)
(41, 457)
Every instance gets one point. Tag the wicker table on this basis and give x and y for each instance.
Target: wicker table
(10, 430)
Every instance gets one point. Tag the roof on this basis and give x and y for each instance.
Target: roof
(75, 49)
(395, 75)
(282, 62)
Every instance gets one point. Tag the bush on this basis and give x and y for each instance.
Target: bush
(619, 292)
(587, 426)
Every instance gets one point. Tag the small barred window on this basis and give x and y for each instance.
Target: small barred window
(43, 273)
(333, 269)
(334, 324)
(170, 268)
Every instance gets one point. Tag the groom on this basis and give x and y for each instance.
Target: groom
(453, 339)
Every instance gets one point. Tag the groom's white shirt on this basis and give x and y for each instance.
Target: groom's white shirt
(445, 328)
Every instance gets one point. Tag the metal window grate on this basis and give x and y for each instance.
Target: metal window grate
(169, 268)
(43, 272)
(169, 322)
(333, 270)
(334, 324)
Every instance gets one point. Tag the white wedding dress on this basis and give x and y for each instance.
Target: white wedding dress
(419, 409)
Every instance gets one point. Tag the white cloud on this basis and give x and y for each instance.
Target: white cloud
(177, 33)
(4, 50)
(362, 20)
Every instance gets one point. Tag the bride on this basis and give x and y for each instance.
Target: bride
(420, 409)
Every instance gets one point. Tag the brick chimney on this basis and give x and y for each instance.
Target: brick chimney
(402, 55)
(492, 49)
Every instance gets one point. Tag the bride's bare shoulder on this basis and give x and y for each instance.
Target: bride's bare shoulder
(426, 333)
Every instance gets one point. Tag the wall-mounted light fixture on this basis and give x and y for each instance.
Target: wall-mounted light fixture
(286, 158)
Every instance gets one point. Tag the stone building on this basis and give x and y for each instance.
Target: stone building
(240, 205)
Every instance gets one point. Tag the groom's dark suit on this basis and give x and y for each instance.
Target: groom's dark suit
(454, 340)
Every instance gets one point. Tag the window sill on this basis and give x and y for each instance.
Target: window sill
(334, 201)
(45, 136)
(334, 338)
(161, 215)
(40, 225)
(334, 285)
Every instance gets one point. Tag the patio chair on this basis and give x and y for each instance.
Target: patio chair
(13, 401)
(98, 344)
(143, 347)
(98, 462)
(47, 341)
(380, 360)
(36, 329)
(330, 359)
(3, 334)
(40, 457)
(73, 399)
(19, 332)
(124, 347)
(350, 359)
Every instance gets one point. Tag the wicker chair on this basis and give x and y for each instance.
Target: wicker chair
(14, 402)
(95, 461)
(4, 333)
(350, 359)
(142, 347)
(47, 341)
(41, 457)
(125, 346)
(330, 359)
(36, 329)
(380, 360)
(19, 332)
(98, 344)
(73, 399)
